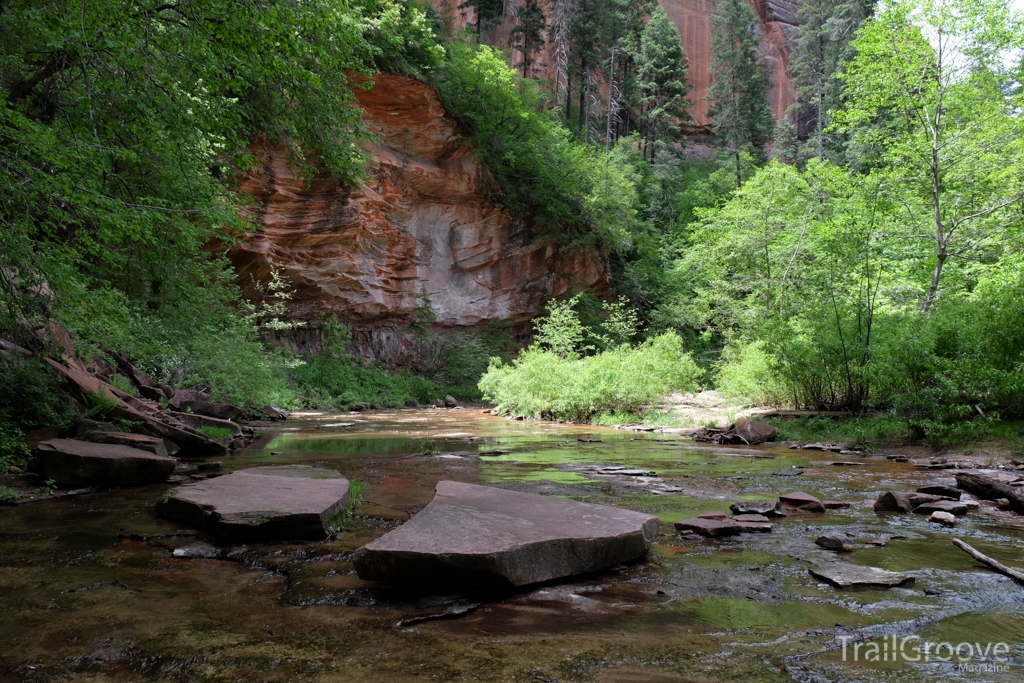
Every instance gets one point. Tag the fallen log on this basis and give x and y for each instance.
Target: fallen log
(990, 489)
(986, 560)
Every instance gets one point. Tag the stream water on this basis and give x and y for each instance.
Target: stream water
(90, 587)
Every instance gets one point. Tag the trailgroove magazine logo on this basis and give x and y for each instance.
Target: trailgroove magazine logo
(973, 657)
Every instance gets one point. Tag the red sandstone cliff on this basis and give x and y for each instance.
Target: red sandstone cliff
(422, 219)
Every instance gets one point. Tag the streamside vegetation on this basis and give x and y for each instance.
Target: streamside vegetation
(866, 259)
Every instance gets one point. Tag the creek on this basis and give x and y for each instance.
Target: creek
(90, 586)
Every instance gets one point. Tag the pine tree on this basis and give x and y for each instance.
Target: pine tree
(488, 12)
(785, 140)
(527, 36)
(661, 69)
(822, 44)
(741, 117)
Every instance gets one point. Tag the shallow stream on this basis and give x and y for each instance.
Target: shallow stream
(90, 587)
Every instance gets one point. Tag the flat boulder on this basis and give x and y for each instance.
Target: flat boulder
(769, 508)
(73, 464)
(480, 534)
(263, 503)
(953, 507)
(944, 518)
(153, 444)
(798, 501)
(844, 575)
(753, 523)
(712, 528)
(272, 413)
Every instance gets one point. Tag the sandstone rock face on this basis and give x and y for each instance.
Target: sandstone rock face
(488, 535)
(423, 220)
(263, 503)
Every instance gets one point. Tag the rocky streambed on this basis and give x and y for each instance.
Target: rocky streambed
(98, 585)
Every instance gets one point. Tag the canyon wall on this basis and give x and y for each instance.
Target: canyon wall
(776, 20)
(423, 221)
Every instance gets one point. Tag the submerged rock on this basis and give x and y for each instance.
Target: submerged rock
(836, 504)
(801, 502)
(481, 534)
(845, 575)
(712, 528)
(769, 508)
(71, 463)
(263, 503)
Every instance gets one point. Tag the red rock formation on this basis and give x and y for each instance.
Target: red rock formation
(422, 220)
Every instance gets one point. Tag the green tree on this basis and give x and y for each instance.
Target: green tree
(737, 101)
(930, 94)
(528, 34)
(486, 12)
(661, 69)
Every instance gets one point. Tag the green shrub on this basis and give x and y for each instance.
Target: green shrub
(625, 379)
(747, 371)
(339, 382)
(8, 495)
(121, 383)
(216, 433)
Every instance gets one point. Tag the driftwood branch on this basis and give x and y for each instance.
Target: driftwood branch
(985, 559)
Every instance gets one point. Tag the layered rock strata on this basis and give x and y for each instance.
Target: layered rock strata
(423, 223)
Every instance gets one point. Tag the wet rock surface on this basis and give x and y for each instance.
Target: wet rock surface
(153, 444)
(263, 503)
(798, 501)
(493, 536)
(844, 575)
(71, 463)
(712, 528)
(769, 508)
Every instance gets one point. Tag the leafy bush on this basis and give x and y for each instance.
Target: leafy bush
(29, 398)
(216, 433)
(624, 379)
(121, 383)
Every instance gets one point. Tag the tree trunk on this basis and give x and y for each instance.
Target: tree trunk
(739, 177)
(990, 489)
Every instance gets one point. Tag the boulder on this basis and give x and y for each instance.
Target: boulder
(480, 534)
(272, 413)
(916, 499)
(944, 518)
(438, 403)
(748, 431)
(73, 464)
(450, 402)
(751, 518)
(263, 503)
(713, 514)
(153, 393)
(153, 444)
(85, 425)
(844, 575)
(798, 501)
(953, 507)
(950, 492)
(835, 542)
(769, 508)
(891, 501)
(190, 401)
(197, 422)
(712, 528)
(836, 504)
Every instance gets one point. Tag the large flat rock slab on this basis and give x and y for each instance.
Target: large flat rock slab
(263, 503)
(844, 575)
(71, 463)
(480, 534)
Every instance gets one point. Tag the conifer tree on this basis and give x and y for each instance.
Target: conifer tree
(661, 68)
(527, 36)
(488, 12)
(741, 117)
(822, 43)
